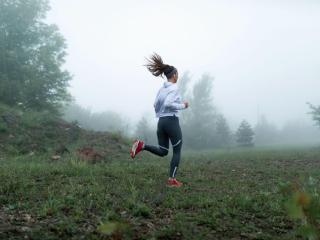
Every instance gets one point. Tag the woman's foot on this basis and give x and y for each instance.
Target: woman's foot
(172, 182)
(136, 148)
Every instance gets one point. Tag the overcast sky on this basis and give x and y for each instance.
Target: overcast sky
(263, 55)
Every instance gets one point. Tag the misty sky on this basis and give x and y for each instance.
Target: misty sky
(264, 55)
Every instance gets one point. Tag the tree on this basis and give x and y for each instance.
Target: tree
(315, 113)
(245, 134)
(32, 54)
(223, 133)
(202, 114)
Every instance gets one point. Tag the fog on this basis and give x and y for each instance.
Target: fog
(264, 55)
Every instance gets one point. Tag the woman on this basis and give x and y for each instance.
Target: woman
(167, 105)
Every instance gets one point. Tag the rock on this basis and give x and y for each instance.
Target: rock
(55, 157)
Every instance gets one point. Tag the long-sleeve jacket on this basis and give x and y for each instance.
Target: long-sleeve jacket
(168, 101)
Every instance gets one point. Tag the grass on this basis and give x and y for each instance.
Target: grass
(228, 194)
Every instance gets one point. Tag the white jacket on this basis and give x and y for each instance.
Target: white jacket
(168, 101)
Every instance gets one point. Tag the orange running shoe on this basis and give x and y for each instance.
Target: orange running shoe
(136, 148)
(172, 182)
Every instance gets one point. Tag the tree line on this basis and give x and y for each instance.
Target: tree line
(205, 127)
(32, 54)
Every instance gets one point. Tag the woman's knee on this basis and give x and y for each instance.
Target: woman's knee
(177, 147)
(164, 152)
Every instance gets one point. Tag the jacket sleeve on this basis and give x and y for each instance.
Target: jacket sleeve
(156, 103)
(173, 101)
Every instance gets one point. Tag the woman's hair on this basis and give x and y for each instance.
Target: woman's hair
(156, 66)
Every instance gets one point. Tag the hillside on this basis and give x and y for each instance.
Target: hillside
(30, 132)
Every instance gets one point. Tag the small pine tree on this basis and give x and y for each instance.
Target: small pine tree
(245, 135)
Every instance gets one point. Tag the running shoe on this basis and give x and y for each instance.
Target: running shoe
(172, 182)
(136, 148)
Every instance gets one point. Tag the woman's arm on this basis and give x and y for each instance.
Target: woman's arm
(172, 102)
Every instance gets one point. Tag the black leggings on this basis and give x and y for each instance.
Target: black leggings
(168, 128)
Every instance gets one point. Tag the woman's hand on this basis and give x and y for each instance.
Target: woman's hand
(186, 104)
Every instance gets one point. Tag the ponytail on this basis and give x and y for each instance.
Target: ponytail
(156, 66)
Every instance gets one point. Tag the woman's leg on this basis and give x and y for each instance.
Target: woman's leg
(163, 140)
(174, 131)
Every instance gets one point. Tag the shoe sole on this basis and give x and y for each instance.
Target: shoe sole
(134, 148)
(172, 186)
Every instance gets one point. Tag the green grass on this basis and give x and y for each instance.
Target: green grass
(228, 194)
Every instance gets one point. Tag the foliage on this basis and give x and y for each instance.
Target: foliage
(315, 112)
(31, 57)
(35, 132)
(302, 202)
(114, 229)
(202, 122)
(199, 121)
(203, 126)
(245, 134)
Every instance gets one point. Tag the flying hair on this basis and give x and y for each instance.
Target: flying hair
(156, 66)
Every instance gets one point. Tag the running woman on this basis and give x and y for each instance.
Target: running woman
(167, 105)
